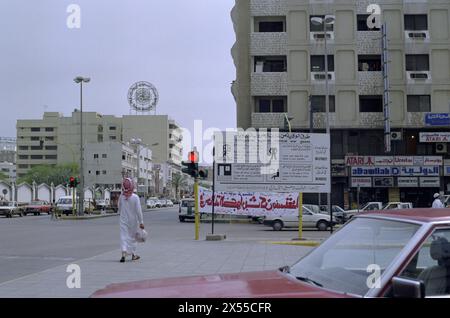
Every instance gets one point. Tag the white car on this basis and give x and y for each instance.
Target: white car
(65, 205)
(186, 210)
(290, 219)
(169, 203)
(151, 204)
(9, 208)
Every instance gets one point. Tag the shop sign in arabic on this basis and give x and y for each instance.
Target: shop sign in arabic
(248, 203)
(393, 160)
(395, 171)
(437, 119)
(434, 137)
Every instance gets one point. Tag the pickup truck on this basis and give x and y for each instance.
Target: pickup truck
(9, 208)
(371, 206)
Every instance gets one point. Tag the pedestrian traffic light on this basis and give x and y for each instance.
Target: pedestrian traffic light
(191, 165)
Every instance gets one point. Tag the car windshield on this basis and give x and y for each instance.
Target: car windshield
(343, 262)
(6, 203)
(65, 201)
(37, 203)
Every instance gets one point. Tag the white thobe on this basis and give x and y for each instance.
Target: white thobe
(437, 204)
(130, 218)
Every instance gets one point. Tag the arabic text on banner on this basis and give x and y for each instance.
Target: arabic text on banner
(246, 203)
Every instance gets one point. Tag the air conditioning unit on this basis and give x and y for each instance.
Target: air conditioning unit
(417, 75)
(417, 35)
(320, 36)
(320, 76)
(396, 135)
(441, 147)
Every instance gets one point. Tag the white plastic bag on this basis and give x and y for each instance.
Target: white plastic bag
(141, 235)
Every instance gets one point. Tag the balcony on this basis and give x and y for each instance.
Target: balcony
(268, 120)
(368, 42)
(371, 120)
(269, 83)
(268, 7)
(370, 83)
(268, 43)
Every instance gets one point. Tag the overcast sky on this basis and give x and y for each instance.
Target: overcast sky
(181, 46)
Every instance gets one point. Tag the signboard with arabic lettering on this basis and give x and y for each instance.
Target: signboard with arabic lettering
(437, 119)
(248, 203)
(272, 162)
(395, 171)
(393, 160)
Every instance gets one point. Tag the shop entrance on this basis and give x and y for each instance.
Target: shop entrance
(419, 197)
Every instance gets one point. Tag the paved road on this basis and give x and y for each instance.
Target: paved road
(33, 244)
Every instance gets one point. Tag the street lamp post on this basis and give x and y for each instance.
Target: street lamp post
(324, 22)
(80, 80)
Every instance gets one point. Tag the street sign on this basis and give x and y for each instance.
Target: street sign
(272, 162)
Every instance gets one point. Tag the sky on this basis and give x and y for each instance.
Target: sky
(181, 46)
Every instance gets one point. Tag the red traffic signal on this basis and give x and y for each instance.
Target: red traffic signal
(193, 157)
(73, 182)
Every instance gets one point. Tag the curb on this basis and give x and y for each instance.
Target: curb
(88, 217)
(298, 243)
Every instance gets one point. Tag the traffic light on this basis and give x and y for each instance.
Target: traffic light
(203, 174)
(191, 165)
(73, 182)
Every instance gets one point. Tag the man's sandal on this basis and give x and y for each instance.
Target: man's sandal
(135, 257)
(122, 260)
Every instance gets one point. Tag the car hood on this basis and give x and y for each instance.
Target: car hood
(242, 285)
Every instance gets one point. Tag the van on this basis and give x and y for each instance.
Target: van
(64, 205)
(186, 210)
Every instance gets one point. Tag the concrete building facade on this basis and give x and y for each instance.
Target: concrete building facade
(279, 56)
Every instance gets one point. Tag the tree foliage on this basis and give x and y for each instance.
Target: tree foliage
(3, 176)
(58, 174)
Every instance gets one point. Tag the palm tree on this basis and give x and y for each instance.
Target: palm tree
(178, 180)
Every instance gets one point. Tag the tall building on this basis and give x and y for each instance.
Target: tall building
(8, 149)
(55, 139)
(280, 61)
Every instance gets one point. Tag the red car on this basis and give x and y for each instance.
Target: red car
(38, 207)
(396, 253)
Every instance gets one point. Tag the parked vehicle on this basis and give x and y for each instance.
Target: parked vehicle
(169, 203)
(338, 212)
(65, 205)
(10, 208)
(373, 206)
(151, 204)
(37, 207)
(409, 249)
(186, 210)
(290, 220)
(102, 204)
(312, 207)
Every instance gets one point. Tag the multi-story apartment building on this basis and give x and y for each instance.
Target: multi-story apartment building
(280, 60)
(8, 149)
(55, 139)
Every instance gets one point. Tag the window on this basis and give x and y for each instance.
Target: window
(104, 172)
(417, 62)
(362, 23)
(112, 128)
(271, 105)
(97, 173)
(419, 103)
(36, 157)
(36, 148)
(369, 63)
(271, 26)
(52, 157)
(99, 138)
(104, 156)
(34, 138)
(431, 264)
(49, 138)
(23, 157)
(23, 166)
(95, 156)
(318, 104)
(270, 64)
(371, 104)
(51, 148)
(416, 22)
(23, 147)
(112, 137)
(318, 63)
(319, 28)
(35, 129)
(49, 129)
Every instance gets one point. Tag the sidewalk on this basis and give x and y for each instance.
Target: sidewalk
(160, 258)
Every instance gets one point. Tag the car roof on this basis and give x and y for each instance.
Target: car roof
(426, 215)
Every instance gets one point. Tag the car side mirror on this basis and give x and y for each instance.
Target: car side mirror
(407, 288)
